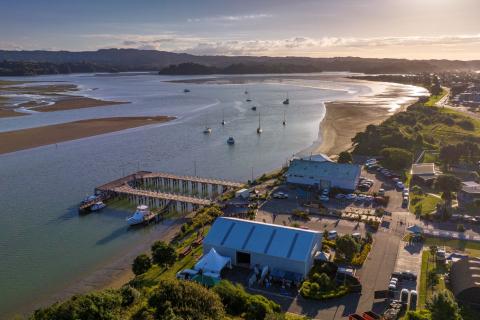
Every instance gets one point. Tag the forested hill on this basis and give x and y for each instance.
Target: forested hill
(150, 60)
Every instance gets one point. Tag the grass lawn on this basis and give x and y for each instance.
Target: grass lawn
(428, 265)
(428, 203)
(470, 247)
(434, 99)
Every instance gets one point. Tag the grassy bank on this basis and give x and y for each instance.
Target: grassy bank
(472, 248)
(431, 278)
(432, 101)
(426, 202)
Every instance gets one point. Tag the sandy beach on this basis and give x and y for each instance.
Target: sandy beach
(342, 122)
(35, 137)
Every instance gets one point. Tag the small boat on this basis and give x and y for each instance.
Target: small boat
(230, 140)
(89, 199)
(254, 108)
(248, 100)
(259, 129)
(207, 130)
(186, 90)
(287, 100)
(246, 92)
(97, 206)
(141, 215)
(284, 120)
(223, 117)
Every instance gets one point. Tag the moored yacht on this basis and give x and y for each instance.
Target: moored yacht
(230, 140)
(97, 206)
(186, 90)
(287, 100)
(141, 215)
(259, 129)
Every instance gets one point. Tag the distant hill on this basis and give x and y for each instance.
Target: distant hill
(149, 60)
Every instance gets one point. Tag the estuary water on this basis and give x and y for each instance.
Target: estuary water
(44, 243)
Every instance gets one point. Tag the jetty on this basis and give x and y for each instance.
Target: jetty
(166, 190)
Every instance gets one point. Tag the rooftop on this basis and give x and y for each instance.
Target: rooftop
(423, 169)
(263, 238)
(465, 274)
(324, 169)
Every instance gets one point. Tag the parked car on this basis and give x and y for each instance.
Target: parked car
(361, 197)
(381, 192)
(332, 235)
(413, 300)
(351, 196)
(400, 185)
(324, 198)
(280, 195)
(404, 296)
(408, 275)
(340, 196)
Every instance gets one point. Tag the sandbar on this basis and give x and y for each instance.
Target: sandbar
(12, 141)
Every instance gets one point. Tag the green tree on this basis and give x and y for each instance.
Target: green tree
(163, 254)
(448, 184)
(185, 300)
(443, 306)
(449, 155)
(347, 247)
(345, 157)
(418, 315)
(141, 264)
(104, 305)
(396, 158)
(418, 210)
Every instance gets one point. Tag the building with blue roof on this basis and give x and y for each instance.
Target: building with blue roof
(249, 243)
(323, 174)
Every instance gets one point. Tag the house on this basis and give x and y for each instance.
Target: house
(423, 173)
(469, 193)
(320, 172)
(465, 281)
(254, 244)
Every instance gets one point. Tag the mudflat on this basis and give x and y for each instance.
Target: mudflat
(12, 141)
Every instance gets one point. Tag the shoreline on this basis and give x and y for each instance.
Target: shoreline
(342, 121)
(23, 139)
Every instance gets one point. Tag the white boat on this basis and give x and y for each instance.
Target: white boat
(141, 215)
(97, 206)
(230, 140)
(89, 199)
(259, 129)
(207, 130)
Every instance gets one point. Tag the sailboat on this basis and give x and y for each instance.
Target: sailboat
(207, 129)
(287, 100)
(259, 129)
(223, 117)
(248, 97)
(284, 120)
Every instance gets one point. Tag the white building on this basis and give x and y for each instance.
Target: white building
(320, 172)
(250, 243)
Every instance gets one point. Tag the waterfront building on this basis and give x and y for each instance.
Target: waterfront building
(320, 172)
(254, 244)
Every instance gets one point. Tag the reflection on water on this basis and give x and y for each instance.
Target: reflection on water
(44, 244)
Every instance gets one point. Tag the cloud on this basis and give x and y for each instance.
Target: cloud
(256, 16)
(289, 46)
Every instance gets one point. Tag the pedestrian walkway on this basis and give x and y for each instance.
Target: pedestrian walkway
(450, 235)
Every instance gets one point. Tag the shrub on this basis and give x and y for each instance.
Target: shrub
(163, 253)
(141, 264)
(129, 295)
(233, 297)
(104, 305)
(360, 258)
(466, 125)
(186, 300)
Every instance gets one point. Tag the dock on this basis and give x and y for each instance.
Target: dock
(166, 190)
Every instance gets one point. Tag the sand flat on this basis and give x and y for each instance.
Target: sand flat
(343, 120)
(12, 141)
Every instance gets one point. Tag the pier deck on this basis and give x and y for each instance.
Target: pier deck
(225, 183)
(127, 190)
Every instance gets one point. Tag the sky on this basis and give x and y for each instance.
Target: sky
(414, 29)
